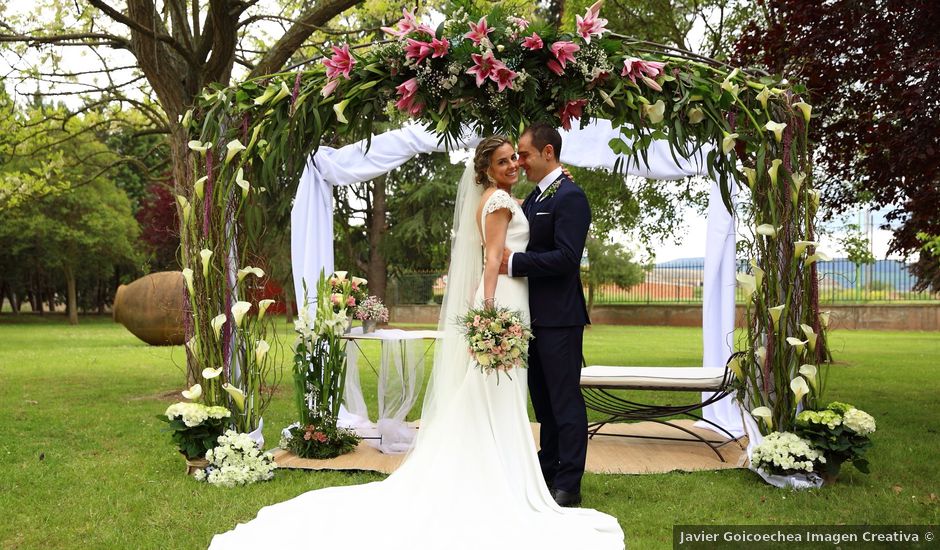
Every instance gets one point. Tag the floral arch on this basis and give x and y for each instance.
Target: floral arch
(251, 143)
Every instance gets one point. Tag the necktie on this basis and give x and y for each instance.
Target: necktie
(530, 200)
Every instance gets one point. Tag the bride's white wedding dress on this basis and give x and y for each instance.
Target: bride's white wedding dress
(473, 479)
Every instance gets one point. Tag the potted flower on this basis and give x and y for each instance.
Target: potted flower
(787, 454)
(195, 428)
(841, 433)
(371, 311)
(236, 460)
(321, 438)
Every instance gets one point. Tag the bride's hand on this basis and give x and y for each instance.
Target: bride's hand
(489, 303)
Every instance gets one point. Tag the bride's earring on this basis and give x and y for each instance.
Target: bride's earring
(490, 179)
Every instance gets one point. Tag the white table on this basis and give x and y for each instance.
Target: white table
(400, 377)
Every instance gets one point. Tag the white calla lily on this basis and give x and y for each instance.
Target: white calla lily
(696, 115)
(772, 171)
(824, 318)
(191, 344)
(809, 372)
(800, 345)
(187, 118)
(728, 142)
(209, 373)
(758, 274)
(340, 275)
(775, 313)
(735, 365)
(193, 393)
(200, 186)
(814, 198)
(188, 277)
(819, 256)
(266, 96)
(245, 271)
(199, 146)
(761, 355)
(205, 254)
(655, 112)
(340, 110)
(242, 182)
(800, 246)
(776, 128)
(763, 96)
(359, 281)
(263, 306)
(810, 336)
(798, 178)
(239, 310)
(766, 230)
(765, 414)
(806, 108)
(731, 88)
(261, 350)
(748, 284)
(799, 388)
(233, 148)
(751, 175)
(217, 322)
(238, 396)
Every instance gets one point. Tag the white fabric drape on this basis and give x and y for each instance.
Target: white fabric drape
(312, 218)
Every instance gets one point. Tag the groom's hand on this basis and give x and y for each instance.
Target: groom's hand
(504, 265)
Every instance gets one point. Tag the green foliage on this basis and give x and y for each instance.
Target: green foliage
(610, 263)
(196, 440)
(857, 246)
(321, 439)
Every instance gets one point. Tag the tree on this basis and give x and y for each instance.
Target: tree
(609, 263)
(858, 249)
(876, 110)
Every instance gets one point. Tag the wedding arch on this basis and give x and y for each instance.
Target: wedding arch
(638, 108)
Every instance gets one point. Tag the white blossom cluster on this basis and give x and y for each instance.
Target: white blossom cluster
(194, 414)
(236, 461)
(786, 452)
(592, 63)
(859, 421)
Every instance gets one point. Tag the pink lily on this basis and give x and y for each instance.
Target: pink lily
(533, 42)
(408, 90)
(572, 109)
(329, 88)
(483, 66)
(417, 50)
(555, 67)
(591, 24)
(440, 47)
(564, 51)
(503, 77)
(406, 25)
(426, 29)
(646, 70)
(479, 32)
(341, 63)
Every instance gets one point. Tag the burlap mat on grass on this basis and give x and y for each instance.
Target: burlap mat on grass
(606, 454)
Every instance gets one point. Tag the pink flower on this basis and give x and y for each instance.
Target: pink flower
(533, 42)
(417, 50)
(337, 299)
(426, 29)
(483, 66)
(634, 68)
(350, 301)
(406, 25)
(440, 47)
(503, 77)
(341, 63)
(555, 67)
(564, 51)
(591, 25)
(329, 88)
(479, 32)
(320, 436)
(519, 22)
(572, 109)
(409, 91)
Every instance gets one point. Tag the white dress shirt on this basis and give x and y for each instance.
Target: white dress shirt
(543, 185)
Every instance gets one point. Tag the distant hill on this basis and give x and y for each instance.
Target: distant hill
(839, 272)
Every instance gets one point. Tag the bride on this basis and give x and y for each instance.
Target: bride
(473, 478)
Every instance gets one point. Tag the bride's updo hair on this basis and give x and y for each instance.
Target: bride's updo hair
(481, 161)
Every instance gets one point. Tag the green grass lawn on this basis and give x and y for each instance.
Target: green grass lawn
(83, 461)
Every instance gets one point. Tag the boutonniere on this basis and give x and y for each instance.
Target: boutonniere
(550, 190)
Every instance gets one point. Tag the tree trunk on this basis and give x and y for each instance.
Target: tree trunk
(72, 297)
(556, 11)
(378, 266)
(591, 286)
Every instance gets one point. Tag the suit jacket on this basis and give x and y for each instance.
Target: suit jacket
(558, 227)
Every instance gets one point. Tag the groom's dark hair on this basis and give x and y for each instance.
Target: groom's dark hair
(545, 134)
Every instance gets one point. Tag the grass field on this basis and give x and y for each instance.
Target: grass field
(84, 463)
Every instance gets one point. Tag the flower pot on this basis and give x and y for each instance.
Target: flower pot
(369, 326)
(349, 320)
(193, 464)
(830, 478)
(256, 435)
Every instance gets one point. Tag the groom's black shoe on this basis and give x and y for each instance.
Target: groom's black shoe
(566, 499)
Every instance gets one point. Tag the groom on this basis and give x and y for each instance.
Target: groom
(559, 217)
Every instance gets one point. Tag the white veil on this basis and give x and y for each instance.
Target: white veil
(451, 355)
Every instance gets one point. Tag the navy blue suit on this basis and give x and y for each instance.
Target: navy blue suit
(558, 227)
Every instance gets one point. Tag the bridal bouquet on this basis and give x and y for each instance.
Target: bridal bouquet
(498, 338)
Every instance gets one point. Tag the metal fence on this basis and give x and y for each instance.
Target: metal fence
(681, 281)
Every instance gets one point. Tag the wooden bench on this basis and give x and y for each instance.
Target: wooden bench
(598, 384)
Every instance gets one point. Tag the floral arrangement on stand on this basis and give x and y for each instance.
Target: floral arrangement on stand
(320, 373)
(497, 338)
(371, 311)
(236, 460)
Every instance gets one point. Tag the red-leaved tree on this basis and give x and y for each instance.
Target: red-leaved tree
(873, 72)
